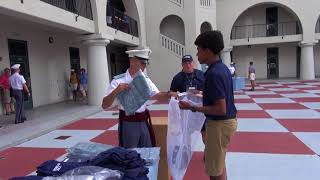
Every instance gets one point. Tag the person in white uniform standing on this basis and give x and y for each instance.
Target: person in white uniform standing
(134, 130)
(18, 85)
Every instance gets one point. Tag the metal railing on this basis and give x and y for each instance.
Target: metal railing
(172, 45)
(318, 26)
(122, 22)
(79, 7)
(177, 2)
(206, 3)
(265, 30)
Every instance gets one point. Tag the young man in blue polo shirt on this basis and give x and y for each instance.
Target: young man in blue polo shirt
(218, 103)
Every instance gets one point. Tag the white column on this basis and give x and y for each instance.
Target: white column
(98, 74)
(307, 71)
(226, 56)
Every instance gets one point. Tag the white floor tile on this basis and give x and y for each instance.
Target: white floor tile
(114, 128)
(300, 95)
(105, 115)
(314, 83)
(287, 83)
(270, 85)
(282, 89)
(312, 105)
(158, 107)
(294, 114)
(260, 92)
(260, 125)
(273, 100)
(302, 86)
(311, 139)
(251, 166)
(247, 106)
(312, 91)
(247, 88)
(49, 141)
(241, 97)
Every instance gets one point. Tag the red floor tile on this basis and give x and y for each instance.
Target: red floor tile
(306, 99)
(92, 124)
(266, 96)
(22, 161)
(196, 169)
(301, 125)
(239, 93)
(108, 137)
(275, 143)
(309, 81)
(162, 102)
(266, 83)
(159, 113)
(252, 114)
(291, 92)
(248, 90)
(276, 86)
(282, 106)
(310, 88)
(244, 101)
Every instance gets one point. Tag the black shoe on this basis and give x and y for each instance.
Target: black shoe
(19, 122)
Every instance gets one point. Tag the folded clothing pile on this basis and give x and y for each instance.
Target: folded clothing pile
(127, 161)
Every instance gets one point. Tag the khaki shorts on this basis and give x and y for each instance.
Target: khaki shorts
(6, 99)
(219, 134)
(252, 77)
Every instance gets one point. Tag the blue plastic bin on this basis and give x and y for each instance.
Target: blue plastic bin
(238, 83)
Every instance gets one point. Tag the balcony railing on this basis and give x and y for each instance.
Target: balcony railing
(206, 3)
(172, 45)
(265, 30)
(118, 20)
(177, 2)
(79, 7)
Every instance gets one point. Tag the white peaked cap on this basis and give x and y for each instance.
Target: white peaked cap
(16, 66)
(143, 53)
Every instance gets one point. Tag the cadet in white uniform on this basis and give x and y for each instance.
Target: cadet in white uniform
(134, 130)
(18, 84)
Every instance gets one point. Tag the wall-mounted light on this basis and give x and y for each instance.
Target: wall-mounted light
(21, 1)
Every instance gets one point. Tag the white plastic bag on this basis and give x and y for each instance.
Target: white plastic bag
(182, 125)
(89, 173)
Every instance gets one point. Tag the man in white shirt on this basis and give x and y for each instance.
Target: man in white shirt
(134, 130)
(18, 85)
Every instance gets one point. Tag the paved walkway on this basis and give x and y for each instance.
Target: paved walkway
(41, 121)
(277, 137)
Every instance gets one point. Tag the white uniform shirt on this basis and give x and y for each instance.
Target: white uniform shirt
(17, 81)
(232, 70)
(127, 79)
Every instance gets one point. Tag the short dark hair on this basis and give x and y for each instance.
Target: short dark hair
(212, 40)
(251, 63)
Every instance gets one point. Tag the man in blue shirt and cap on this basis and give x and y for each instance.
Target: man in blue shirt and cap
(188, 78)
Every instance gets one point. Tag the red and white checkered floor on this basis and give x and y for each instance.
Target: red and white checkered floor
(278, 136)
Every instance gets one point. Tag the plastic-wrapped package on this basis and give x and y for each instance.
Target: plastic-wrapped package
(136, 95)
(182, 125)
(151, 155)
(89, 173)
(84, 151)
